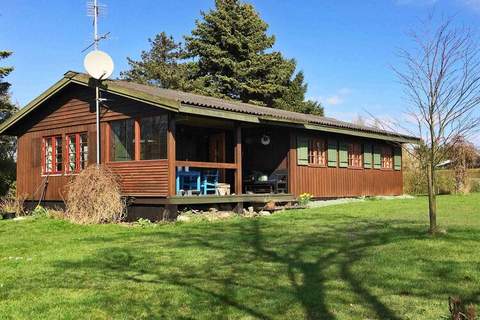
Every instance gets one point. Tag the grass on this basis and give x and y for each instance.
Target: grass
(367, 260)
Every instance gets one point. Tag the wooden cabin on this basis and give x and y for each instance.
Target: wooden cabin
(173, 148)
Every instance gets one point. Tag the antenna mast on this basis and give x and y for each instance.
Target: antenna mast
(93, 9)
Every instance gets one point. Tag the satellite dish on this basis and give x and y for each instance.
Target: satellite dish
(98, 64)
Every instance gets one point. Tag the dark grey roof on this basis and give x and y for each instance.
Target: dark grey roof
(247, 108)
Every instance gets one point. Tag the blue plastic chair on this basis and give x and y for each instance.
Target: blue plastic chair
(188, 180)
(210, 182)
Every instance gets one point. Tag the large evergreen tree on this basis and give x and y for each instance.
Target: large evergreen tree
(228, 55)
(7, 144)
(163, 65)
(236, 60)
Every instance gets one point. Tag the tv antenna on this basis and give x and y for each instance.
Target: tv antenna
(98, 64)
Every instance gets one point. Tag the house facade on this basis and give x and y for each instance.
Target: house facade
(172, 148)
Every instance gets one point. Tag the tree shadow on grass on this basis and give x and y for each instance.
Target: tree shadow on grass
(238, 269)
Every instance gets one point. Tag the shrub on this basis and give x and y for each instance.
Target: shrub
(143, 223)
(475, 185)
(39, 211)
(94, 196)
(12, 204)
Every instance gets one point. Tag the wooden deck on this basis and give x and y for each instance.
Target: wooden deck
(211, 199)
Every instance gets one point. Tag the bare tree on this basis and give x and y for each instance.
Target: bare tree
(441, 78)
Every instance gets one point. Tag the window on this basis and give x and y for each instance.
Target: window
(317, 154)
(387, 158)
(355, 155)
(140, 139)
(77, 152)
(123, 140)
(153, 133)
(52, 155)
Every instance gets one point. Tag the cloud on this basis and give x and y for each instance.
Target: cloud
(334, 99)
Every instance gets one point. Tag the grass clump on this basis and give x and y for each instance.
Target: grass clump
(94, 196)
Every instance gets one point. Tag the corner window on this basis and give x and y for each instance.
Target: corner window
(387, 158)
(123, 140)
(52, 155)
(317, 152)
(77, 152)
(153, 133)
(139, 139)
(355, 155)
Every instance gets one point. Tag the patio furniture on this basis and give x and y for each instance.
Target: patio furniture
(209, 182)
(277, 182)
(187, 180)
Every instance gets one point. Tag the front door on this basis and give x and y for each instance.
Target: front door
(217, 150)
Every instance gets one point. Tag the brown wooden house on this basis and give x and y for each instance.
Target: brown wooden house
(173, 148)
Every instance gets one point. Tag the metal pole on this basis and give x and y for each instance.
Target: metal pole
(97, 91)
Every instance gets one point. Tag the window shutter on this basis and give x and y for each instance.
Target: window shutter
(367, 155)
(332, 153)
(397, 159)
(343, 154)
(377, 157)
(302, 151)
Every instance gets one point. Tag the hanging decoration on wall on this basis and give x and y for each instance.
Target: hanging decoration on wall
(265, 140)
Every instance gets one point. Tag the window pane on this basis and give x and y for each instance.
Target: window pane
(153, 137)
(83, 151)
(48, 154)
(71, 153)
(58, 151)
(122, 140)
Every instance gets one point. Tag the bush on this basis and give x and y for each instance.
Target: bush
(94, 196)
(12, 204)
(475, 185)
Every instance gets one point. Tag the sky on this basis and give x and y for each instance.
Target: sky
(345, 48)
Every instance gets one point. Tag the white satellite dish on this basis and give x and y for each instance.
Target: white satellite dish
(98, 64)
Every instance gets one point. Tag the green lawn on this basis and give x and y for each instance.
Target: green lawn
(366, 260)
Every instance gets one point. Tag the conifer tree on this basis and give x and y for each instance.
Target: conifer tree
(7, 144)
(161, 66)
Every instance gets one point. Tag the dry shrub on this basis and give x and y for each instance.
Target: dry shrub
(11, 204)
(94, 196)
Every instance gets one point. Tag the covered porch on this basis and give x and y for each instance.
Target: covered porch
(218, 160)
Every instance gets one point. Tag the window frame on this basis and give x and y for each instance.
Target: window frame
(384, 155)
(323, 153)
(78, 150)
(54, 170)
(358, 155)
(137, 145)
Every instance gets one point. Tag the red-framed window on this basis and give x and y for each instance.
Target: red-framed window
(52, 155)
(387, 158)
(317, 152)
(77, 152)
(355, 155)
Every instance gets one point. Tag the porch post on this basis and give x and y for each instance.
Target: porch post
(171, 155)
(238, 160)
(292, 163)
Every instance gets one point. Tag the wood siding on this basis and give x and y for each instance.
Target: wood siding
(142, 178)
(72, 111)
(333, 182)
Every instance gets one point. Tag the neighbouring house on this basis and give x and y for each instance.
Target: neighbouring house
(172, 148)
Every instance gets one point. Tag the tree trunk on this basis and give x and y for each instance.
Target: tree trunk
(432, 199)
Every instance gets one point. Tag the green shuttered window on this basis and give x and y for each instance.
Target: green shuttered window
(332, 153)
(367, 155)
(302, 150)
(397, 158)
(343, 154)
(377, 158)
